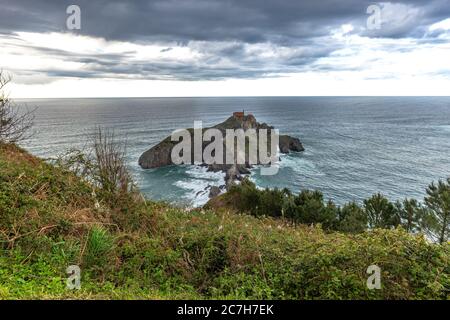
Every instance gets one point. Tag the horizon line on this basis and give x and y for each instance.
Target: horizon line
(237, 96)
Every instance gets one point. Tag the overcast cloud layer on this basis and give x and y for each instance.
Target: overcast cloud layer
(224, 40)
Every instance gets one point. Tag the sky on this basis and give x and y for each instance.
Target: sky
(172, 48)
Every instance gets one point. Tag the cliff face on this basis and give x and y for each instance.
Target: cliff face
(160, 155)
(157, 156)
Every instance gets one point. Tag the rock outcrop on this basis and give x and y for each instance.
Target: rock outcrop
(214, 191)
(287, 144)
(160, 155)
(157, 156)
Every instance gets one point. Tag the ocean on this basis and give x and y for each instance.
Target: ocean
(355, 146)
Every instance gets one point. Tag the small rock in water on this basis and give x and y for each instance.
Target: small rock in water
(214, 191)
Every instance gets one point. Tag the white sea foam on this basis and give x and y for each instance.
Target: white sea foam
(197, 182)
(300, 165)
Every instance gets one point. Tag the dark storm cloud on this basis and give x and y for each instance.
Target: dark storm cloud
(183, 20)
(288, 23)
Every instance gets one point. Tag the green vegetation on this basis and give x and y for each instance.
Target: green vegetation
(132, 248)
(438, 200)
(14, 125)
(377, 212)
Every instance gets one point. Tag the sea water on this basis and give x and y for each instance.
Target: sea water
(354, 146)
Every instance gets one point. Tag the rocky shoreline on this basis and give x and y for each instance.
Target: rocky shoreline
(160, 154)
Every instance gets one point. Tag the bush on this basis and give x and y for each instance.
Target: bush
(110, 169)
(309, 208)
(14, 125)
(352, 218)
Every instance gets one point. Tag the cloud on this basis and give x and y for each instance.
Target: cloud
(441, 25)
(68, 55)
(249, 21)
(215, 40)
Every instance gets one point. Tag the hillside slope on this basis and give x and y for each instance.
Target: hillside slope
(138, 249)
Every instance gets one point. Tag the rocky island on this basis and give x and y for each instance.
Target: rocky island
(160, 154)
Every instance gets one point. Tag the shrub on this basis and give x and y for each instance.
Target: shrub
(307, 207)
(14, 125)
(352, 218)
(311, 209)
(110, 169)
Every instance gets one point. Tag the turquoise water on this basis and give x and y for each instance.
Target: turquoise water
(355, 146)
